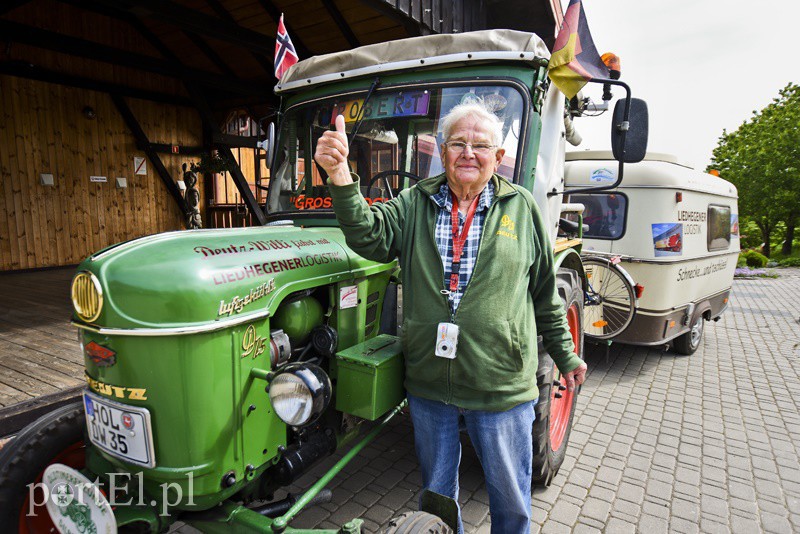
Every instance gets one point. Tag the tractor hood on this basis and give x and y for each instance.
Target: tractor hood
(204, 279)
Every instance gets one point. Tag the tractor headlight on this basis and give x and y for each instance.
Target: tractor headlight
(300, 393)
(87, 296)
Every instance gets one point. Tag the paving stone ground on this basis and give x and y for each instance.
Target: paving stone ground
(660, 442)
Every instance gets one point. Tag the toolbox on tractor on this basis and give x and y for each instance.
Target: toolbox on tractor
(370, 380)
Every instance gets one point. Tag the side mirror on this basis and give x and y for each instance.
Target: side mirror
(268, 144)
(634, 146)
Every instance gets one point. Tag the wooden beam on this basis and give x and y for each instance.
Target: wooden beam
(235, 141)
(223, 13)
(210, 53)
(196, 21)
(32, 72)
(11, 5)
(163, 49)
(242, 185)
(29, 35)
(144, 144)
(336, 15)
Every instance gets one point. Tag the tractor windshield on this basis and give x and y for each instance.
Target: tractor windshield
(397, 141)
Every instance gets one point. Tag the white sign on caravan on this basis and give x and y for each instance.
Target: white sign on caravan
(603, 176)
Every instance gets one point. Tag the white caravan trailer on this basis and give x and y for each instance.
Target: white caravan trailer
(675, 230)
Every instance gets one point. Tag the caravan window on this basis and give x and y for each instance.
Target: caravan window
(605, 213)
(719, 227)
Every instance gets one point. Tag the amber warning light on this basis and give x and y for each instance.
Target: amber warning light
(611, 61)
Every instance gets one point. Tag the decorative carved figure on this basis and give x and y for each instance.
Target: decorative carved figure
(192, 196)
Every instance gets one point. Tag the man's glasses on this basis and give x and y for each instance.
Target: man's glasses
(460, 146)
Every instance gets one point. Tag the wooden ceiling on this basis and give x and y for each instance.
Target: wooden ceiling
(219, 53)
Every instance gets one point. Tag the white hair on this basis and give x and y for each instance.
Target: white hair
(477, 110)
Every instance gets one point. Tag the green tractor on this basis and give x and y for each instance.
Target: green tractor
(222, 364)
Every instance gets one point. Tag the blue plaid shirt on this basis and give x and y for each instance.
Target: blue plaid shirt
(444, 238)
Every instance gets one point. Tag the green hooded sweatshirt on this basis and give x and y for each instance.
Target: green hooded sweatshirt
(511, 295)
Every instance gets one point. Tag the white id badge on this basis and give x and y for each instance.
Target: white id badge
(446, 340)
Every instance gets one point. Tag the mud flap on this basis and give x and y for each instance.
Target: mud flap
(439, 505)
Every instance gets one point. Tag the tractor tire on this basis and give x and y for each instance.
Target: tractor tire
(556, 406)
(688, 343)
(417, 523)
(56, 437)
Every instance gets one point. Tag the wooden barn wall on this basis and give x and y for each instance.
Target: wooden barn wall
(43, 130)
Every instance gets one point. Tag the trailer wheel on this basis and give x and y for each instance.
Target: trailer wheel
(689, 342)
(556, 406)
(56, 437)
(417, 523)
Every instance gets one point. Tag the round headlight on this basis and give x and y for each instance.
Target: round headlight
(87, 296)
(300, 393)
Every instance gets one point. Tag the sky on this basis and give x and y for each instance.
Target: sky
(701, 65)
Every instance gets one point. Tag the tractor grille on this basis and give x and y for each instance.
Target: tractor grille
(87, 296)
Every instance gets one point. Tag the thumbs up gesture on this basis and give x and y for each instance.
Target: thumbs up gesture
(332, 152)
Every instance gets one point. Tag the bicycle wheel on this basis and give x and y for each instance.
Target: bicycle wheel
(610, 300)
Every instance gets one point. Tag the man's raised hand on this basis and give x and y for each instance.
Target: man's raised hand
(332, 152)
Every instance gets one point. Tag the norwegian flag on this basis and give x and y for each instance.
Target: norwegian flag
(285, 54)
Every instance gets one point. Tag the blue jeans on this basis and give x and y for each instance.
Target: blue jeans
(502, 441)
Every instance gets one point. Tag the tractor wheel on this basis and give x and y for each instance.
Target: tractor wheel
(556, 406)
(689, 342)
(417, 523)
(56, 437)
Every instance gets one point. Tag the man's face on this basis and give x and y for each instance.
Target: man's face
(470, 167)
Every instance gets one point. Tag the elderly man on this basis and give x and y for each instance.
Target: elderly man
(478, 285)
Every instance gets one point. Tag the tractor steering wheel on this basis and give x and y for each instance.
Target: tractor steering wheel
(384, 175)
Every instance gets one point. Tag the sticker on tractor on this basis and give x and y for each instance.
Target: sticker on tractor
(348, 297)
(116, 391)
(303, 202)
(257, 270)
(238, 303)
(75, 504)
(253, 345)
(100, 355)
(250, 246)
(667, 239)
(382, 106)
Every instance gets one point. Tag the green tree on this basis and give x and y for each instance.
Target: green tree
(762, 158)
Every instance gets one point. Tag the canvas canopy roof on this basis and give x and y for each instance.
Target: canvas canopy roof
(415, 52)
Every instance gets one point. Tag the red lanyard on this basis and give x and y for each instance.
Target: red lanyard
(460, 240)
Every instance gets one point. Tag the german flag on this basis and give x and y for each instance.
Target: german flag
(575, 60)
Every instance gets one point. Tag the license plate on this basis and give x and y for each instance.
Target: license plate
(120, 430)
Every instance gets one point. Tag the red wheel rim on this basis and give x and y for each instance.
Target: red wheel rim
(561, 408)
(39, 521)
